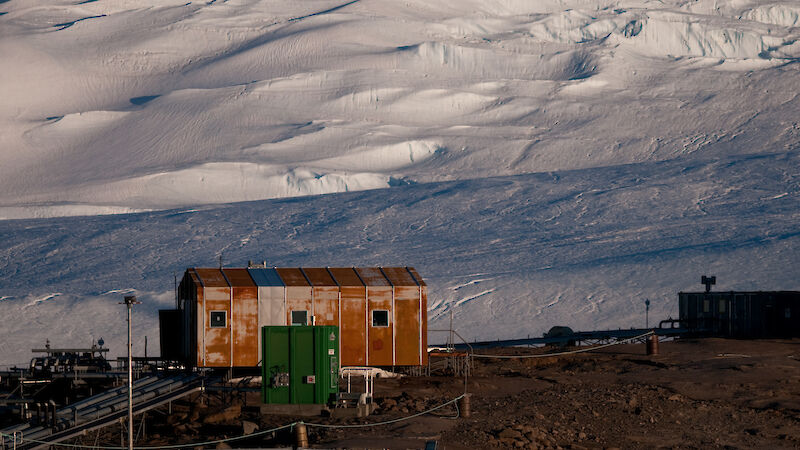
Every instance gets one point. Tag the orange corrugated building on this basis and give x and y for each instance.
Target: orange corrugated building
(381, 312)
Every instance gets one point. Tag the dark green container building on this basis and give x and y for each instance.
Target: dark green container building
(300, 364)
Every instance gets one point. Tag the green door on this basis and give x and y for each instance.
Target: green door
(300, 364)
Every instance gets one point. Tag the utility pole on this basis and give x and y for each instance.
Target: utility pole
(130, 300)
(647, 313)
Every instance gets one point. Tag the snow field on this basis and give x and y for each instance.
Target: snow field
(540, 163)
(181, 97)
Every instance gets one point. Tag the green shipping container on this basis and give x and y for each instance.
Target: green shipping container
(299, 364)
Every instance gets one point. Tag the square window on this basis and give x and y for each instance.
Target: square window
(219, 319)
(380, 318)
(299, 317)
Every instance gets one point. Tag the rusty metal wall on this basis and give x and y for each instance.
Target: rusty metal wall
(298, 293)
(188, 292)
(346, 297)
(325, 296)
(353, 317)
(215, 348)
(244, 318)
(379, 298)
(407, 325)
(423, 313)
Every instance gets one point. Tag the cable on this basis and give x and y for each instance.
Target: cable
(291, 425)
(362, 425)
(154, 448)
(547, 355)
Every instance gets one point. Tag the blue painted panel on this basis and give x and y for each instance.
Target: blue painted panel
(266, 277)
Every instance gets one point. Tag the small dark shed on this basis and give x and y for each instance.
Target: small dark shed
(758, 314)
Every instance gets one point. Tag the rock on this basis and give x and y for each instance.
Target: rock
(194, 415)
(581, 435)
(227, 415)
(675, 398)
(173, 419)
(223, 445)
(389, 403)
(249, 427)
(510, 433)
(508, 442)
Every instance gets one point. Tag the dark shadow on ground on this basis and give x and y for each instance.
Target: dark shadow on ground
(143, 99)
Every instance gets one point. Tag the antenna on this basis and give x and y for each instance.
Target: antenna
(708, 281)
(220, 260)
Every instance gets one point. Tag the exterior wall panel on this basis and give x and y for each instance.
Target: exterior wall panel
(407, 327)
(217, 340)
(379, 298)
(344, 297)
(353, 317)
(244, 318)
(298, 293)
(325, 293)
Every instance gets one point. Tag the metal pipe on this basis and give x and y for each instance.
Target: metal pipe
(129, 301)
(652, 344)
(301, 435)
(463, 405)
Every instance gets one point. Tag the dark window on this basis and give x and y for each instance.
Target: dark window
(380, 318)
(219, 319)
(299, 317)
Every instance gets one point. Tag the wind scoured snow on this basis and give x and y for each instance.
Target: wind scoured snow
(578, 155)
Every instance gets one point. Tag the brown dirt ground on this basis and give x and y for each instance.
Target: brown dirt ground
(705, 393)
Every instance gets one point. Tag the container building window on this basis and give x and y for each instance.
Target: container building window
(380, 318)
(706, 306)
(299, 317)
(722, 306)
(218, 319)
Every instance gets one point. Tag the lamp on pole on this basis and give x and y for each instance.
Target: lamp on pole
(130, 300)
(647, 313)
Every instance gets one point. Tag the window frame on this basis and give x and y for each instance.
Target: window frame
(291, 317)
(211, 318)
(388, 318)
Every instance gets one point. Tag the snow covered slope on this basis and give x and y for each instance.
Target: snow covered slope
(540, 163)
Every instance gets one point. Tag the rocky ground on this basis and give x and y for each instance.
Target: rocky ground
(708, 393)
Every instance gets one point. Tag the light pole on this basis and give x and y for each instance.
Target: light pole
(647, 313)
(130, 300)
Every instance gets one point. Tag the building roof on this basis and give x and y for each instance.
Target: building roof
(314, 276)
